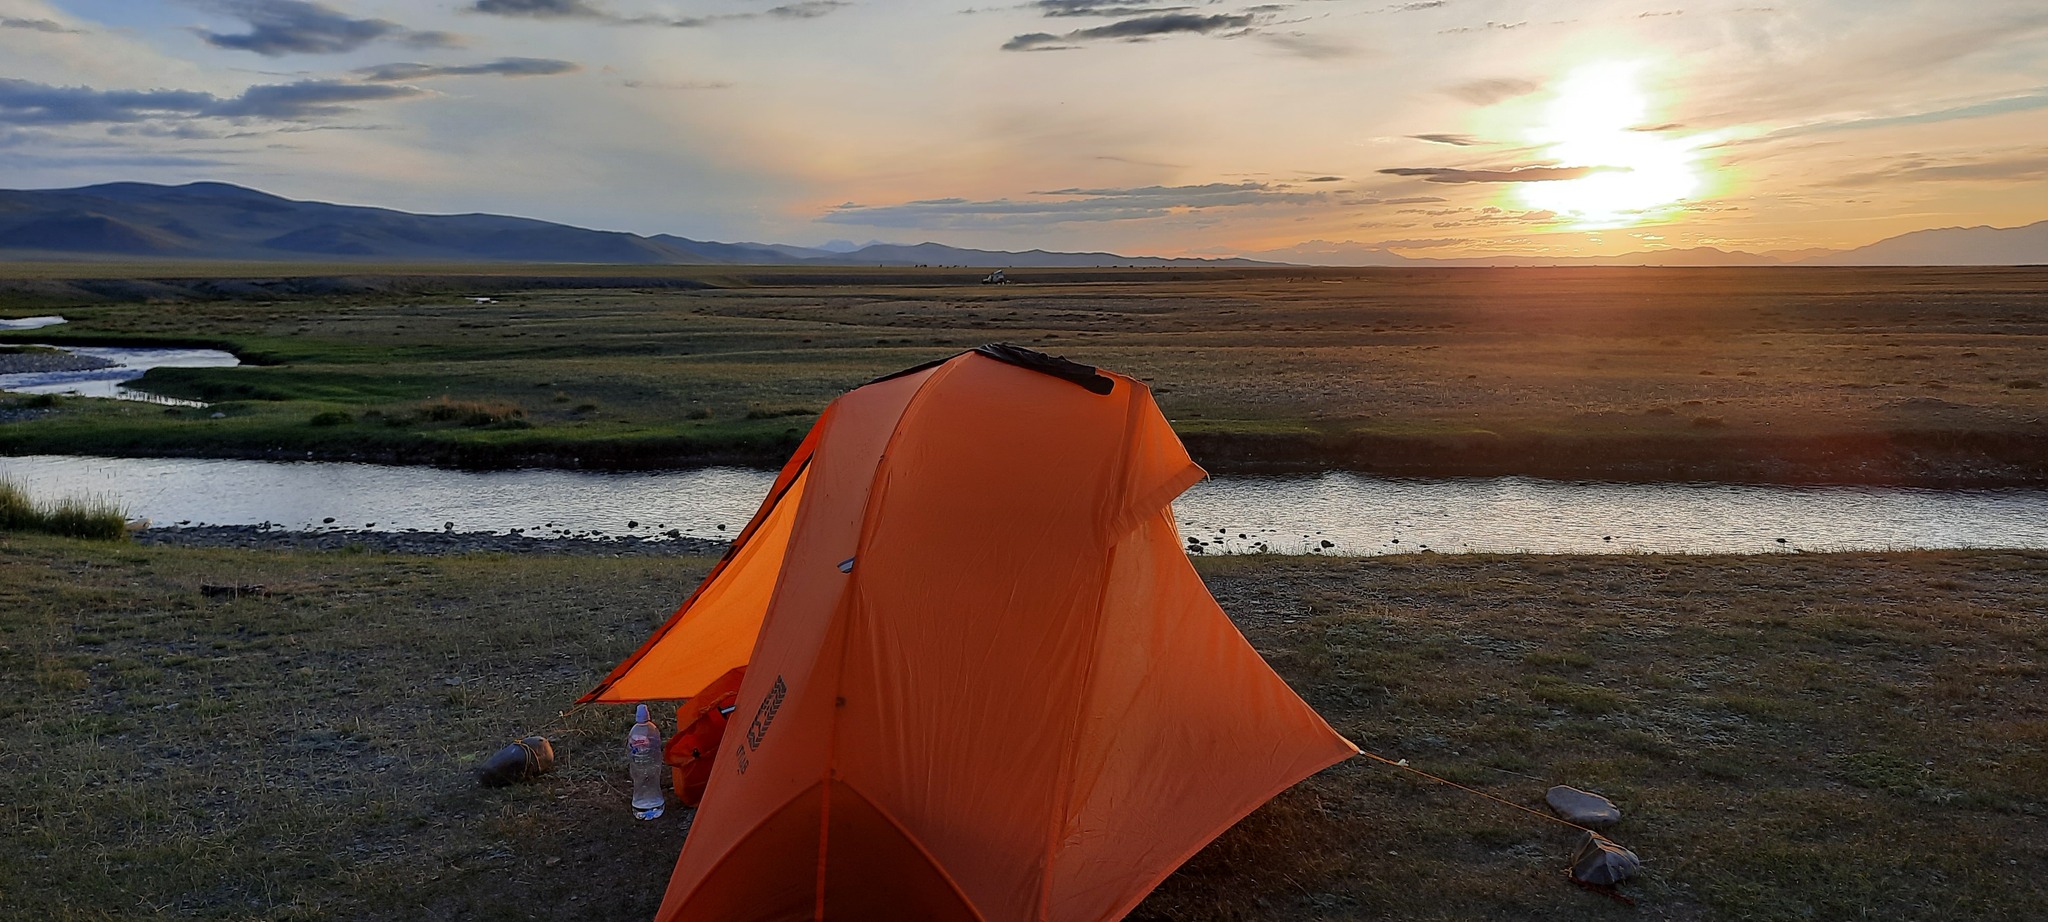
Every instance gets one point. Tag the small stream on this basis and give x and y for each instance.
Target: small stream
(115, 366)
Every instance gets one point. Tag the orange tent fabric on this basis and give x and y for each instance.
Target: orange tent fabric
(983, 680)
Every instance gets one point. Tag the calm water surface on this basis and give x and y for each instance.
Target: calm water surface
(31, 323)
(1356, 514)
(129, 364)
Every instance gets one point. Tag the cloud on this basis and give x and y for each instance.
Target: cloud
(1493, 90)
(676, 84)
(23, 102)
(1178, 193)
(26, 103)
(280, 27)
(305, 99)
(502, 67)
(1325, 179)
(806, 9)
(1454, 140)
(73, 161)
(1163, 24)
(1515, 174)
(1136, 162)
(1497, 216)
(183, 131)
(583, 9)
(18, 137)
(1868, 65)
(194, 131)
(1483, 217)
(1312, 47)
(1404, 200)
(1133, 30)
(39, 25)
(1107, 8)
(1420, 244)
(1062, 206)
(2004, 105)
(2031, 165)
(540, 9)
(1489, 26)
(1037, 41)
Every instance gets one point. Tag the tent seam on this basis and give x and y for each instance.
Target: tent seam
(922, 850)
(1063, 819)
(726, 856)
(850, 603)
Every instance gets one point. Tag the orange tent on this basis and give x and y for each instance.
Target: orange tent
(983, 680)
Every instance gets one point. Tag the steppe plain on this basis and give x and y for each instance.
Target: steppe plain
(1790, 736)
(1927, 376)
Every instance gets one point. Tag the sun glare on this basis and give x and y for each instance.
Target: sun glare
(1598, 121)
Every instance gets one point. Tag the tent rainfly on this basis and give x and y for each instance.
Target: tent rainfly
(983, 681)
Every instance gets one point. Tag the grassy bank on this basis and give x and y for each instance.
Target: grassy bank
(468, 433)
(1916, 376)
(1790, 737)
(71, 517)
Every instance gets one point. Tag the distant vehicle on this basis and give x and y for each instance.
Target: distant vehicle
(997, 278)
(483, 301)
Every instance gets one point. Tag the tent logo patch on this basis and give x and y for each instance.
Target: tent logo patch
(765, 715)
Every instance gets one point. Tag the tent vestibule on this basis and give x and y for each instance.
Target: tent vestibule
(983, 681)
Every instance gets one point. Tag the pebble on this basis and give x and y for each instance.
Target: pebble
(23, 362)
(429, 543)
(1602, 863)
(1582, 807)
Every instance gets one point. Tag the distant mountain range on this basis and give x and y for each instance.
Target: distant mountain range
(1948, 246)
(1951, 246)
(209, 220)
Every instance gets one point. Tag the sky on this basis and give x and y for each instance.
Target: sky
(1333, 131)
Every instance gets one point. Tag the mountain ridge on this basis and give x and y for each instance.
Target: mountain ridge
(223, 221)
(213, 220)
(1982, 245)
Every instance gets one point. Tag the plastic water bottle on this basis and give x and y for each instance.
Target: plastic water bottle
(643, 755)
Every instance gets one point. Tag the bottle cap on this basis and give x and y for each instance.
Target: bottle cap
(640, 716)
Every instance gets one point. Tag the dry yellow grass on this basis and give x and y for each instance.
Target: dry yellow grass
(1790, 736)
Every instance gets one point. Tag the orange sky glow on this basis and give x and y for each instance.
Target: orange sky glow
(1337, 131)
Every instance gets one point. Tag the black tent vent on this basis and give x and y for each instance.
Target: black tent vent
(1084, 375)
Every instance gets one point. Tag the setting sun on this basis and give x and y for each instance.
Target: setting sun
(1599, 121)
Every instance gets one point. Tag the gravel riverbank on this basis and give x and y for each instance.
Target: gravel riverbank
(38, 361)
(425, 542)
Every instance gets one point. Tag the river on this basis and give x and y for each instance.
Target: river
(1291, 514)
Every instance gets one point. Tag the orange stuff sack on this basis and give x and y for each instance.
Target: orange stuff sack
(702, 719)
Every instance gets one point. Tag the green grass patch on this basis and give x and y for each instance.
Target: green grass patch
(1579, 696)
(71, 517)
(1553, 373)
(1891, 774)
